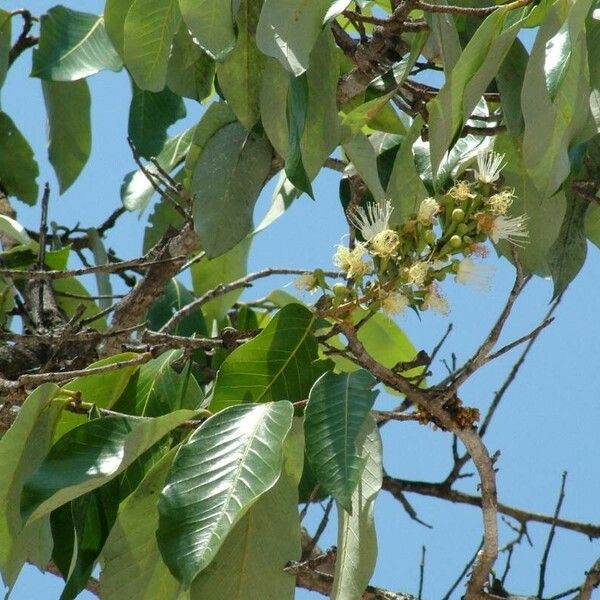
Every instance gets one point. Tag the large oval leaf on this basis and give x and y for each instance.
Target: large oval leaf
(275, 365)
(337, 407)
(73, 45)
(149, 29)
(211, 22)
(240, 74)
(150, 115)
(357, 541)
(158, 389)
(22, 448)
(225, 185)
(18, 168)
(133, 568)
(69, 128)
(228, 463)
(90, 456)
(288, 30)
(250, 564)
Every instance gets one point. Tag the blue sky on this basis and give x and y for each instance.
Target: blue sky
(547, 423)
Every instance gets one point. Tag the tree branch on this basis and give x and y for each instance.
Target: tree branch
(443, 492)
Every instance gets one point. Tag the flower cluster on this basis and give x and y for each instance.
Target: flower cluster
(392, 267)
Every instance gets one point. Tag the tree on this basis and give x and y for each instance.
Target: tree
(169, 434)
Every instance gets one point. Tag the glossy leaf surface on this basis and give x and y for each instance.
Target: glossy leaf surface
(227, 464)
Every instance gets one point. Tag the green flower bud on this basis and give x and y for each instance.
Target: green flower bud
(458, 215)
(462, 228)
(430, 236)
(456, 241)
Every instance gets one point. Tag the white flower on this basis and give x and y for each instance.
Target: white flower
(500, 203)
(489, 166)
(394, 303)
(512, 229)
(435, 301)
(461, 191)
(307, 282)
(373, 220)
(351, 261)
(385, 243)
(428, 209)
(470, 272)
(417, 273)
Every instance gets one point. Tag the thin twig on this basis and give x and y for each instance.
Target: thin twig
(443, 492)
(471, 11)
(421, 572)
(544, 563)
(463, 572)
(307, 551)
(24, 40)
(225, 288)
(136, 263)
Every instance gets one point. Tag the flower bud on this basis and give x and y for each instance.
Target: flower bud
(458, 215)
(456, 241)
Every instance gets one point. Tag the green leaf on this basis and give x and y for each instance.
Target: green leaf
(14, 230)
(240, 73)
(18, 168)
(443, 45)
(190, 71)
(226, 182)
(208, 274)
(567, 254)
(5, 43)
(101, 389)
(297, 105)
(558, 53)
(69, 128)
(22, 448)
(273, 104)
(322, 130)
(405, 188)
(275, 365)
(133, 568)
(362, 154)
(357, 541)
(175, 297)
(468, 80)
(149, 29)
(211, 23)
(150, 115)
(250, 563)
(544, 215)
(227, 464)
(93, 517)
(136, 190)
(509, 79)
(73, 45)
(337, 407)
(284, 194)
(288, 30)
(553, 127)
(89, 456)
(217, 115)
(157, 389)
(115, 13)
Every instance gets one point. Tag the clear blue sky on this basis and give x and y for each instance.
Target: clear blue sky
(547, 423)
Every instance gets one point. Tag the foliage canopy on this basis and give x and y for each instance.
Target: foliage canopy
(168, 434)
